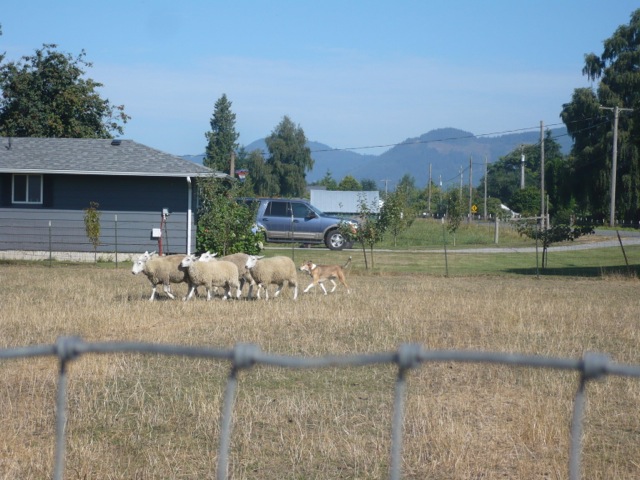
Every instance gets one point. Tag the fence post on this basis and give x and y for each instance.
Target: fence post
(116, 237)
(50, 254)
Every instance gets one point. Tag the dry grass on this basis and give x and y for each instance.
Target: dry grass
(136, 416)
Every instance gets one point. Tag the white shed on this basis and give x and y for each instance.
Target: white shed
(340, 202)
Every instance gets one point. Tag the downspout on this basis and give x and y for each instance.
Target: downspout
(189, 215)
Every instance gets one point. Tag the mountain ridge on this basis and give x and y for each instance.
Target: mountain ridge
(447, 150)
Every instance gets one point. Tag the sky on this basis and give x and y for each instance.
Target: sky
(352, 74)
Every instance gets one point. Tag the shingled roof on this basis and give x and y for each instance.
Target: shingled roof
(92, 156)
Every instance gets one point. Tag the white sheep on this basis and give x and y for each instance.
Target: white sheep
(274, 270)
(211, 274)
(240, 259)
(163, 270)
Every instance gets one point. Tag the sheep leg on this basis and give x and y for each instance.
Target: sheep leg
(280, 287)
(295, 291)
(153, 293)
(193, 288)
(167, 290)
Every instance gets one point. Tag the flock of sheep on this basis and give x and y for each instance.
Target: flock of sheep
(228, 272)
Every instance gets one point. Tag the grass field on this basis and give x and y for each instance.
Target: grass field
(146, 416)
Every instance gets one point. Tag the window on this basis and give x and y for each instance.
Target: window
(27, 189)
(278, 209)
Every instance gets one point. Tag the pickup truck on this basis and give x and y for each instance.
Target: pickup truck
(291, 220)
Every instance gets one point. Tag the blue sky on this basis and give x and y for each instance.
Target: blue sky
(350, 73)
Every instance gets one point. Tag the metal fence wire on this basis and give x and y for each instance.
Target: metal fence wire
(591, 366)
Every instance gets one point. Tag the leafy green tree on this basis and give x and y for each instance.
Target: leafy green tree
(618, 76)
(225, 226)
(553, 234)
(526, 202)
(369, 185)
(455, 212)
(221, 139)
(47, 95)
(349, 184)
(92, 226)
(289, 158)
(261, 178)
(328, 181)
(396, 215)
(369, 232)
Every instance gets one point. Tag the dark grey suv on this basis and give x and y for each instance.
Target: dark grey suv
(289, 220)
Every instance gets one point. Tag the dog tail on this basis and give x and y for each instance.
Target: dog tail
(348, 263)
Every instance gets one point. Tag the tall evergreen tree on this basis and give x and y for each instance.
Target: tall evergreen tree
(47, 95)
(618, 76)
(222, 138)
(289, 158)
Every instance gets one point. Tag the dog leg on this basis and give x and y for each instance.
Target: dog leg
(308, 288)
(323, 289)
(334, 285)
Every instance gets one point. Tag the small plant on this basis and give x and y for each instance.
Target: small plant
(92, 226)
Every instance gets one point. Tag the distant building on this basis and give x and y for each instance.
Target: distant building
(344, 203)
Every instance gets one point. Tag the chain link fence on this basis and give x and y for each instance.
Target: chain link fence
(244, 356)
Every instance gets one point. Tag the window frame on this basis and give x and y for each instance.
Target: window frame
(28, 177)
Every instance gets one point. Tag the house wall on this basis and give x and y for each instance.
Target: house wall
(111, 192)
(58, 224)
(64, 231)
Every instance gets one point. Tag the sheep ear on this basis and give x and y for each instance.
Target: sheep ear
(259, 256)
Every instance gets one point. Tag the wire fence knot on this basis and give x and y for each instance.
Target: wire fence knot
(594, 365)
(245, 355)
(67, 348)
(409, 355)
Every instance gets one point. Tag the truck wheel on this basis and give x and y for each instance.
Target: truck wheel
(334, 240)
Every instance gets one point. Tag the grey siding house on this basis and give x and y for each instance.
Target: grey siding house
(146, 198)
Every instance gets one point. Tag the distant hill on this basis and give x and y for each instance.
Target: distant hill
(446, 149)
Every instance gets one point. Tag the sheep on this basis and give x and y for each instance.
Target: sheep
(240, 259)
(163, 270)
(211, 274)
(278, 270)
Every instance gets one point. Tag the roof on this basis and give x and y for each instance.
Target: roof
(93, 156)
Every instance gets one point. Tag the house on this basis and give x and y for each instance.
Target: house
(146, 198)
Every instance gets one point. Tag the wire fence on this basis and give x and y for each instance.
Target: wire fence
(591, 366)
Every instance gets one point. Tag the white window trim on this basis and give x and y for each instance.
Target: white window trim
(26, 202)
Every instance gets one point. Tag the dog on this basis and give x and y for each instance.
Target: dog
(322, 273)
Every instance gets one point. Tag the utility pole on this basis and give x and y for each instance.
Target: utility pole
(470, 187)
(614, 161)
(522, 167)
(386, 190)
(429, 202)
(485, 189)
(461, 184)
(542, 210)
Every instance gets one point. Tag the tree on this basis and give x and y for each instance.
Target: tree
(289, 158)
(92, 226)
(328, 181)
(369, 185)
(261, 177)
(369, 232)
(222, 137)
(225, 226)
(46, 95)
(618, 76)
(455, 212)
(396, 215)
(553, 234)
(349, 184)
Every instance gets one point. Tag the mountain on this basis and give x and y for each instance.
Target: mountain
(447, 150)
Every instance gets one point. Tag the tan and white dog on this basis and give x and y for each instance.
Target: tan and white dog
(322, 273)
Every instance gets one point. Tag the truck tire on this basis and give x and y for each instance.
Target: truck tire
(334, 240)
